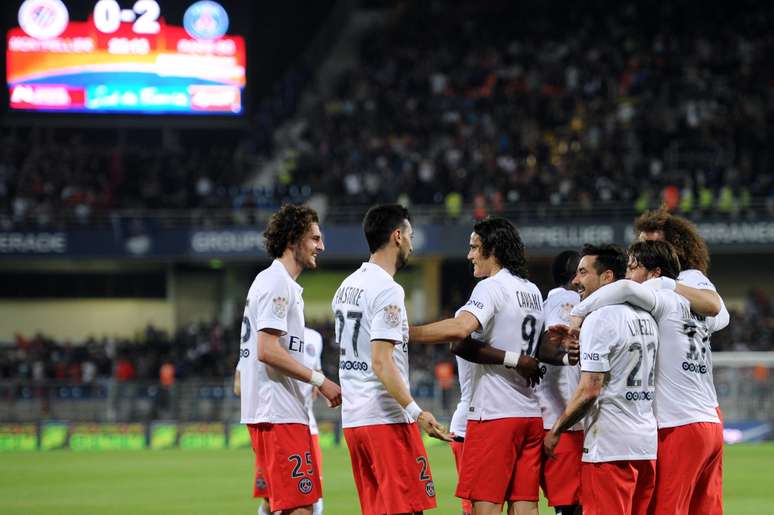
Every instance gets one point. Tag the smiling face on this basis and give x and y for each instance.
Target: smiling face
(587, 280)
(309, 246)
(482, 266)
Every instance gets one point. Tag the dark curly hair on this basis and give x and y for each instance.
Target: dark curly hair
(656, 254)
(681, 233)
(287, 226)
(500, 237)
(609, 257)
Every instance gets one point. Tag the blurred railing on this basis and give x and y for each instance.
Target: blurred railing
(532, 212)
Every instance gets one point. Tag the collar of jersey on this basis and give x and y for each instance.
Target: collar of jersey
(374, 266)
(276, 263)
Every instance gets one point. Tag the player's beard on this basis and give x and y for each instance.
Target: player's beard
(401, 261)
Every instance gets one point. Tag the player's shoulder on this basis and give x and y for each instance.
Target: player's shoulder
(269, 279)
(560, 296)
(695, 279)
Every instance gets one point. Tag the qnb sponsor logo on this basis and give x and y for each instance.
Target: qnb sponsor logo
(639, 396)
(227, 242)
(591, 356)
(353, 365)
(695, 367)
(479, 305)
(36, 243)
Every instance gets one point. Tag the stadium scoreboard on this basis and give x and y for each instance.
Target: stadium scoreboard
(124, 57)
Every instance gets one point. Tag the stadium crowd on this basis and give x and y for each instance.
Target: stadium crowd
(501, 105)
(507, 102)
(210, 351)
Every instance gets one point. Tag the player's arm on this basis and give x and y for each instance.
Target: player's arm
(237, 385)
(272, 353)
(449, 330)
(618, 292)
(558, 346)
(479, 352)
(587, 392)
(385, 369)
(703, 302)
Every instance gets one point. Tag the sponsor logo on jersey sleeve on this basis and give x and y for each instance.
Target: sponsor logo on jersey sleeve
(279, 307)
(392, 315)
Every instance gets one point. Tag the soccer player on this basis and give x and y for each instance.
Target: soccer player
(272, 366)
(614, 396)
(688, 475)
(560, 476)
(501, 458)
(459, 421)
(379, 416)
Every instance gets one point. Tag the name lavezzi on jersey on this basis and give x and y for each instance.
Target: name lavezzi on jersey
(267, 395)
(501, 303)
(369, 305)
(621, 341)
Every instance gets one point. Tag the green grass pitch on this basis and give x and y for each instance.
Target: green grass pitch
(219, 482)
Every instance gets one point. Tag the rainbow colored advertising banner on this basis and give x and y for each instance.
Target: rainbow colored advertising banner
(125, 60)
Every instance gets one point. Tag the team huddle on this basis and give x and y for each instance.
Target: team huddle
(601, 395)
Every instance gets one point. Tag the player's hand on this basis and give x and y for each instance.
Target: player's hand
(332, 393)
(550, 442)
(572, 346)
(529, 368)
(575, 323)
(430, 425)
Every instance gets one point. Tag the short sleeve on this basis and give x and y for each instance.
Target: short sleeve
(269, 306)
(481, 303)
(598, 334)
(387, 315)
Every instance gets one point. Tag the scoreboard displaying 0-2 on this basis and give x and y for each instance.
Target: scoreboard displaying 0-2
(125, 57)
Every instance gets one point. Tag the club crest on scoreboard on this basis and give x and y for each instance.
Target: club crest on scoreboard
(43, 19)
(205, 20)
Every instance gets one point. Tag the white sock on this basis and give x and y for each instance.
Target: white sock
(318, 507)
(263, 509)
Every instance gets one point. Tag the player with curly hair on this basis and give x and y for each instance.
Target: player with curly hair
(272, 370)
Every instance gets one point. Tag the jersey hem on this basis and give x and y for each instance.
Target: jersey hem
(706, 420)
(628, 457)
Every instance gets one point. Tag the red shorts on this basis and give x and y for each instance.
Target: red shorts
(456, 447)
(613, 487)
(689, 470)
(291, 472)
(317, 454)
(260, 486)
(494, 471)
(391, 470)
(560, 477)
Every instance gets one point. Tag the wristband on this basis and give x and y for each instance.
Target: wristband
(668, 283)
(511, 359)
(317, 378)
(566, 359)
(413, 410)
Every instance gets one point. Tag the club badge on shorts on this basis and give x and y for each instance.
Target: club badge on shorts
(430, 489)
(305, 485)
(392, 315)
(279, 307)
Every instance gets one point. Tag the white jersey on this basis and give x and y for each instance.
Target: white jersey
(459, 419)
(622, 341)
(273, 302)
(369, 305)
(313, 346)
(510, 311)
(559, 382)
